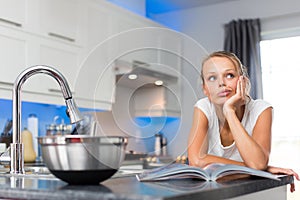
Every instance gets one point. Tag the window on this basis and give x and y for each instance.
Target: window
(280, 59)
(281, 83)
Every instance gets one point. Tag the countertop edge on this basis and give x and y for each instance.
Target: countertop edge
(246, 186)
(128, 188)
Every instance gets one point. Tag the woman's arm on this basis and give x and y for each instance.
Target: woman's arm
(254, 149)
(198, 144)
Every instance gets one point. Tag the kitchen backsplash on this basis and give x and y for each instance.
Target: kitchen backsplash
(44, 112)
(149, 126)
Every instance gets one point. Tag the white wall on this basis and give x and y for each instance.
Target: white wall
(205, 24)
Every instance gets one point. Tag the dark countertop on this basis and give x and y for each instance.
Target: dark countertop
(127, 187)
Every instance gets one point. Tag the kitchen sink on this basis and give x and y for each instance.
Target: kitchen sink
(30, 172)
(39, 170)
(129, 168)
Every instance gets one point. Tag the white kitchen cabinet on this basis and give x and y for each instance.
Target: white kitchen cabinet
(143, 41)
(66, 59)
(60, 19)
(127, 37)
(158, 51)
(13, 12)
(13, 51)
(80, 38)
(170, 55)
(95, 76)
(107, 39)
(20, 50)
(98, 26)
(95, 79)
(61, 56)
(158, 48)
(136, 41)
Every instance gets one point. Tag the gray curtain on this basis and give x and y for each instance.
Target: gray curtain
(242, 37)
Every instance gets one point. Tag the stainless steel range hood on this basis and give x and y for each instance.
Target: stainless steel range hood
(145, 73)
(141, 97)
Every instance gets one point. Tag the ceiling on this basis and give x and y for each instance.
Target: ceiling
(161, 6)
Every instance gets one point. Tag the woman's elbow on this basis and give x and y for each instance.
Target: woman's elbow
(258, 165)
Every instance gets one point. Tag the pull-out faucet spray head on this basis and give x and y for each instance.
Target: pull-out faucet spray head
(72, 111)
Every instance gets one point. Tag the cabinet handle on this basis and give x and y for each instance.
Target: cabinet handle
(6, 83)
(58, 91)
(10, 22)
(61, 37)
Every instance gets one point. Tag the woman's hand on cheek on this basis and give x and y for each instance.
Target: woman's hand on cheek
(238, 99)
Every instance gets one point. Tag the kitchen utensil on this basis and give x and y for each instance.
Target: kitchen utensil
(157, 144)
(87, 126)
(6, 136)
(7, 139)
(7, 127)
(83, 159)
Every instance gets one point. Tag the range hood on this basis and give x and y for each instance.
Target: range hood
(144, 74)
(141, 97)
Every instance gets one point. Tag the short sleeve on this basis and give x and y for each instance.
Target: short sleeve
(258, 106)
(205, 106)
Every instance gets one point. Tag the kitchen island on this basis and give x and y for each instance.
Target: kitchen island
(127, 187)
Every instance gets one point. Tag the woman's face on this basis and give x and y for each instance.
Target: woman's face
(220, 79)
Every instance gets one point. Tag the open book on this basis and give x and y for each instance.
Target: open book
(211, 172)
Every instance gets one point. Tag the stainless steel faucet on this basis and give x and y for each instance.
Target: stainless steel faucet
(16, 147)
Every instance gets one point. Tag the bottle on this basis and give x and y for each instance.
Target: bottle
(29, 153)
(33, 127)
(164, 146)
(157, 145)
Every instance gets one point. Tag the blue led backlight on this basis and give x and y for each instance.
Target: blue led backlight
(152, 9)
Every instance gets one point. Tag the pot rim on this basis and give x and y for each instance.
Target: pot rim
(69, 139)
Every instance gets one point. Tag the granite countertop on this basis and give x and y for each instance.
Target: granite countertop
(127, 187)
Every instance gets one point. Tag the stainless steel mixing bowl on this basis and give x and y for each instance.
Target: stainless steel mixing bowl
(83, 159)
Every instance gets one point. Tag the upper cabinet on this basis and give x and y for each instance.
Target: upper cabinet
(63, 57)
(82, 39)
(60, 19)
(98, 26)
(13, 51)
(13, 12)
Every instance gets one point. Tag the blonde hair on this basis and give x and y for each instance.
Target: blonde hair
(242, 70)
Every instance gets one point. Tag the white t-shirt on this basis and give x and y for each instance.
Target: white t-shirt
(252, 111)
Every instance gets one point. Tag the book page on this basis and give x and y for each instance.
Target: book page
(218, 170)
(211, 172)
(173, 171)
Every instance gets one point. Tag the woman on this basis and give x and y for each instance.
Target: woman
(228, 126)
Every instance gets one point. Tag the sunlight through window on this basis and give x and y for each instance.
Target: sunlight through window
(280, 59)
